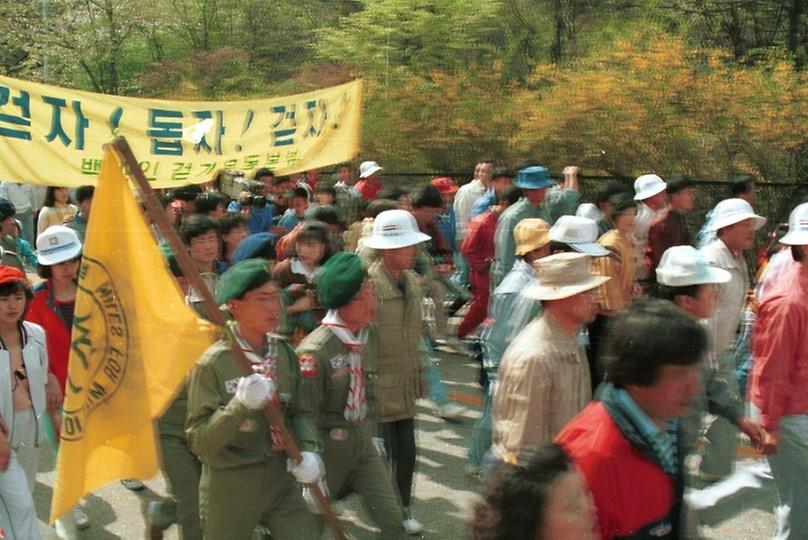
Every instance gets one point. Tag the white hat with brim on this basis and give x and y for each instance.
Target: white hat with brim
(367, 168)
(731, 211)
(579, 233)
(797, 234)
(648, 185)
(393, 229)
(563, 275)
(57, 244)
(682, 266)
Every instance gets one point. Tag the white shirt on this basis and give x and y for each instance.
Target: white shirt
(464, 201)
(22, 196)
(726, 319)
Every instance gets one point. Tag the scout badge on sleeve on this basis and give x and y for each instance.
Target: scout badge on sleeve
(308, 366)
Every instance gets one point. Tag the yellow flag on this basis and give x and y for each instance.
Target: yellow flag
(134, 340)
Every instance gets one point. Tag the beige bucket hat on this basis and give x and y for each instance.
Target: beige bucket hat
(563, 275)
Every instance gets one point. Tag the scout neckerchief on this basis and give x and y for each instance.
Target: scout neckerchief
(266, 366)
(356, 407)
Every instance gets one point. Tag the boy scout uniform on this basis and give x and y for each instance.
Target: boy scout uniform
(352, 462)
(244, 481)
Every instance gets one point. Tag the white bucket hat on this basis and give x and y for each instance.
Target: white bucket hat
(367, 168)
(563, 275)
(57, 245)
(589, 211)
(648, 185)
(394, 229)
(579, 233)
(797, 234)
(731, 211)
(682, 266)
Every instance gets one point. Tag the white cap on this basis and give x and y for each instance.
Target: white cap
(682, 266)
(394, 229)
(580, 233)
(797, 234)
(731, 211)
(367, 168)
(589, 210)
(648, 185)
(57, 244)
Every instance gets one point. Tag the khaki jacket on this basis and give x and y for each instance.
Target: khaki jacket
(224, 433)
(398, 368)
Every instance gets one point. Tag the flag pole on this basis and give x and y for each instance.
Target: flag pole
(155, 211)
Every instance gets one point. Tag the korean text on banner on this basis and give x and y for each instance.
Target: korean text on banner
(134, 341)
(56, 135)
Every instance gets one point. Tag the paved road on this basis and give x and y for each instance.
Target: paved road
(443, 492)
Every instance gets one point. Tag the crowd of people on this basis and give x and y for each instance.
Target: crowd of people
(610, 339)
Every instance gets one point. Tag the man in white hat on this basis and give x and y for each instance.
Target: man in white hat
(543, 380)
(685, 278)
(651, 192)
(399, 371)
(735, 224)
(370, 180)
(780, 376)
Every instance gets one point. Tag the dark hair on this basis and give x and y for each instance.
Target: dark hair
(374, 208)
(393, 193)
(677, 183)
(515, 495)
(607, 192)
(740, 184)
(560, 247)
(329, 190)
(197, 225)
(327, 214)
(342, 166)
(649, 334)
(668, 292)
(314, 231)
(797, 254)
(50, 196)
(228, 222)
(45, 271)
(16, 286)
(83, 193)
(209, 201)
(263, 171)
(620, 202)
(186, 193)
(301, 193)
(427, 196)
(503, 172)
(511, 195)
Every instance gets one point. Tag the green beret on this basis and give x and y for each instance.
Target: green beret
(241, 278)
(339, 280)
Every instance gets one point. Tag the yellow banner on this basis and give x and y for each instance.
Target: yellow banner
(134, 341)
(54, 136)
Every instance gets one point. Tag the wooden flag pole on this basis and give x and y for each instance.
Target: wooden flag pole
(158, 216)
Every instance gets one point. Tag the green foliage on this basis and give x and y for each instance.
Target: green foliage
(705, 87)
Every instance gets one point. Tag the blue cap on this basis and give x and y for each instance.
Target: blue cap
(535, 177)
(252, 246)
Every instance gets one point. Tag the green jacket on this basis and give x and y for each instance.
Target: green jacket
(224, 433)
(398, 368)
(332, 384)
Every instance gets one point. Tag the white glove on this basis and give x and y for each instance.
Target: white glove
(378, 444)
(254, 391)
(309, 470)
(311, 501)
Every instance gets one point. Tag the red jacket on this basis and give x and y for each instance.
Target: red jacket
(43, 311)
(634, 496)
(478, 247)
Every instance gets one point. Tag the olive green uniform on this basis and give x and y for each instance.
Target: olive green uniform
(244, 481)
(352, 463)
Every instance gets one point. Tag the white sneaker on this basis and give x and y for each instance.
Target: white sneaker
(412, 526)
(450, 410)
(80, 518)
(65, 528)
